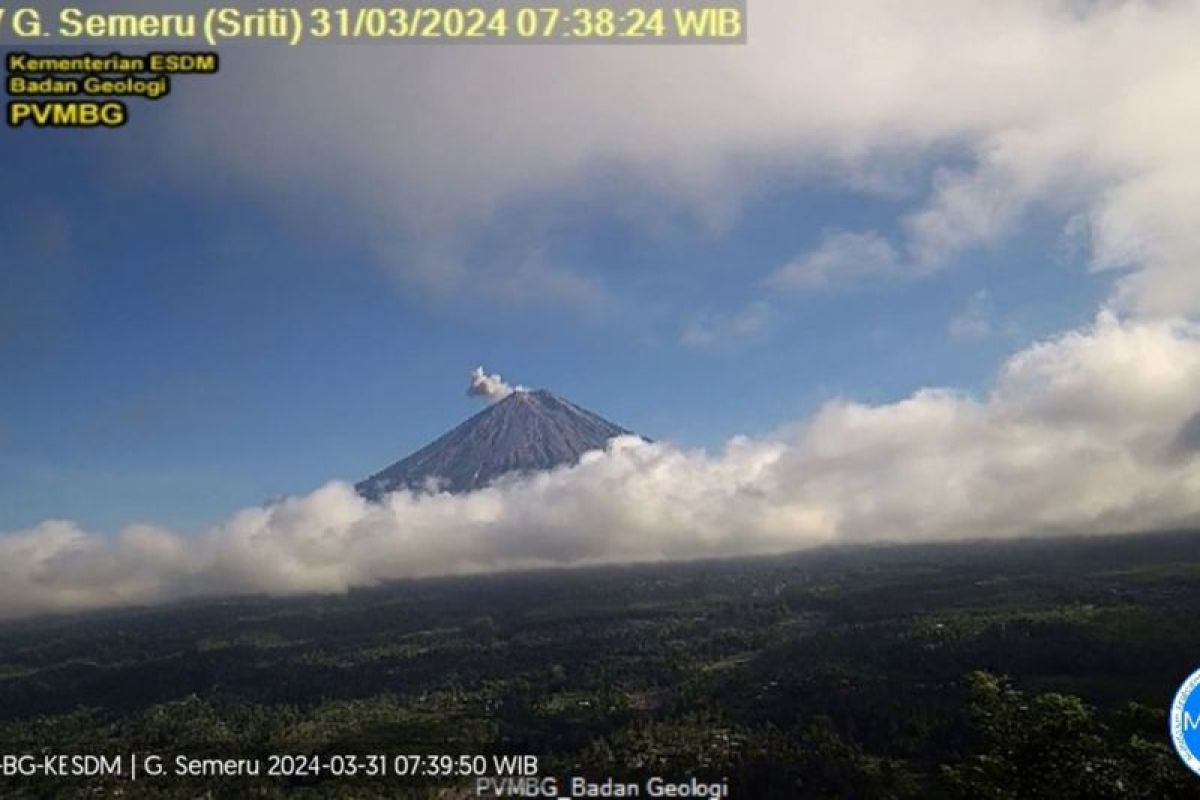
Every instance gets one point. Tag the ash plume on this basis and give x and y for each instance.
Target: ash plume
(491, 387)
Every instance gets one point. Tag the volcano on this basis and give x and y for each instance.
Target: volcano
(527, 431)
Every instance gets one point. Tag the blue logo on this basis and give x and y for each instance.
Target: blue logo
(1185, 722)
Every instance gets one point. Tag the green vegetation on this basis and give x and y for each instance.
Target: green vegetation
(1020, 670)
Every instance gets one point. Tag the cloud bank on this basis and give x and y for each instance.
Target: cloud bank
(979, 113)
(1094, 431)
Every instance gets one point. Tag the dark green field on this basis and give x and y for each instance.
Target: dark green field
(1016, 670)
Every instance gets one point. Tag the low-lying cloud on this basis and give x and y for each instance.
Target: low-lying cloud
(1091, 432)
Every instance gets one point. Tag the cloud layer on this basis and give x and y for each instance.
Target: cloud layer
(982, 112)
(1095, 431)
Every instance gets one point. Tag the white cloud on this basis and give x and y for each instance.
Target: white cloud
(1086, 433)
(715, 331)
(974, 321)
(1030, 104)
(841, 259)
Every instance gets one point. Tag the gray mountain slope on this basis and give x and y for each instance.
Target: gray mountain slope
(526, 431)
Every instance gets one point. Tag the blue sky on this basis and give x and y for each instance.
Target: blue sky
(172, 357)
(938, 257)
(281, 275)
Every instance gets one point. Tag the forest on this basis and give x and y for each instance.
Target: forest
(1022, 669)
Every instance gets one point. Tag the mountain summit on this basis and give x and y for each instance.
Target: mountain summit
(527, 431)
